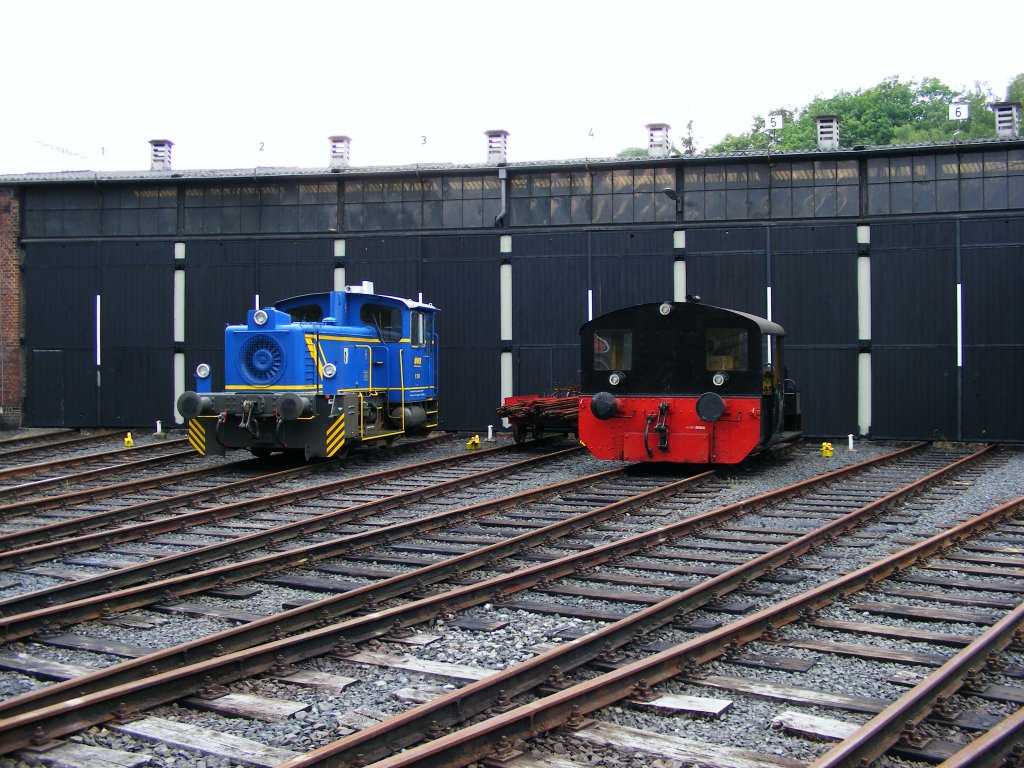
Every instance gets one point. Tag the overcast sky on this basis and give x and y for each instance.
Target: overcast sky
(254, 83)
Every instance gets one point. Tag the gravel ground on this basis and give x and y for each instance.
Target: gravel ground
(748, 721)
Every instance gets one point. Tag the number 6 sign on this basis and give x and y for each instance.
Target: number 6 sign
(959, 111)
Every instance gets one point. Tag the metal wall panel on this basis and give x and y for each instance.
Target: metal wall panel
(814, 285)
(137, 387)
(470, 387)
(814, 297)
(550, 278)
(134, 382)
(81, 405)
(391, 263)
(60, 287)
(992, 272)
(546, 369)
(221, 282)
(47, 390)
(913, 298)
(136, 374)
(61, 283)
(623, 281)
(460, 276)
(136, 282)
(914, 395)
(993, 409)
(827, 379)
(728, 268)
(293, 267)
(630, 268)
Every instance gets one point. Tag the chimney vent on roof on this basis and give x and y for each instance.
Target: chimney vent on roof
(828, 131)
(497, 147)
(160, 154)
(339, 152)
(658, 143)
(1007, 119)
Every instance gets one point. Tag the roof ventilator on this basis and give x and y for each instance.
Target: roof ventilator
(828, 131)
(1007, 119)
(497, 147)
(339, 152)
(658, 143)
(160, 154)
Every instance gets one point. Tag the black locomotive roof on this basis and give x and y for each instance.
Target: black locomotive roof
(693, 308)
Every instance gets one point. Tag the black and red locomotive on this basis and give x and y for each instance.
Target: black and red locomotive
(684, 382)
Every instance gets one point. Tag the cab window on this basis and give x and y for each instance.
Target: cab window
(306, 313)
(613, 350)
(421, 330)
(385, 320)
(727, 349)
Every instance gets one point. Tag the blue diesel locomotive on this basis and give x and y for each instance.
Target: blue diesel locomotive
(318, 373)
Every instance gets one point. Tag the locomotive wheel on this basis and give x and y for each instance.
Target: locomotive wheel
(387, 442)
(260, 453)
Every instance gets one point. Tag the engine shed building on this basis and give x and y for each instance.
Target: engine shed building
(896, 272)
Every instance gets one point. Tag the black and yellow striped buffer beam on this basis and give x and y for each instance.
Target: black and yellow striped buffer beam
(197, 436)
(335, 435)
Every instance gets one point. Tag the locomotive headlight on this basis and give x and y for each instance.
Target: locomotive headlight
(665, 309)
(616, 378)
(719, 379)
(330, 370)
(260, 317)
(203, 371)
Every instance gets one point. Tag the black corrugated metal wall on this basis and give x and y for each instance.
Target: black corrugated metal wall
(125, 288)
(767, 235)
(992, 267)
(918, 389)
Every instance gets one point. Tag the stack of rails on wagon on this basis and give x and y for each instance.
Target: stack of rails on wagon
(684, 382)
(533, 415)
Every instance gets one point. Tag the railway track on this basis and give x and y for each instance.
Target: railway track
(635, 674)
(225, 532)
(49, 441)
(65, 459)
(37, 533)
(566, 569)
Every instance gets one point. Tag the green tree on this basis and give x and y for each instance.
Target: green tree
(1015, 90)
(892, 112)
(631, 153)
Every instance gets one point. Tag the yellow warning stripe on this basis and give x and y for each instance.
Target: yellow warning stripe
(335, 435)
(316, 352)
(356, 339)
(197, 436)
(382, 436)
(280, 388)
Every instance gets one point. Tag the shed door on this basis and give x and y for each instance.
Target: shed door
(48, 386)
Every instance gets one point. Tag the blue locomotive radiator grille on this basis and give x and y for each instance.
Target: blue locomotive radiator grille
(261, 360)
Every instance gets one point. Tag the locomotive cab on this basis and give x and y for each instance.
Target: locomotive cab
(319, 372)
(682, 382)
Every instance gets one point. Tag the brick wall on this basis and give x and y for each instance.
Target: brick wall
(11, 390)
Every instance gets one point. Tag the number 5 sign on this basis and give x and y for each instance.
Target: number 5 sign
(774, 122)
(959, 111)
